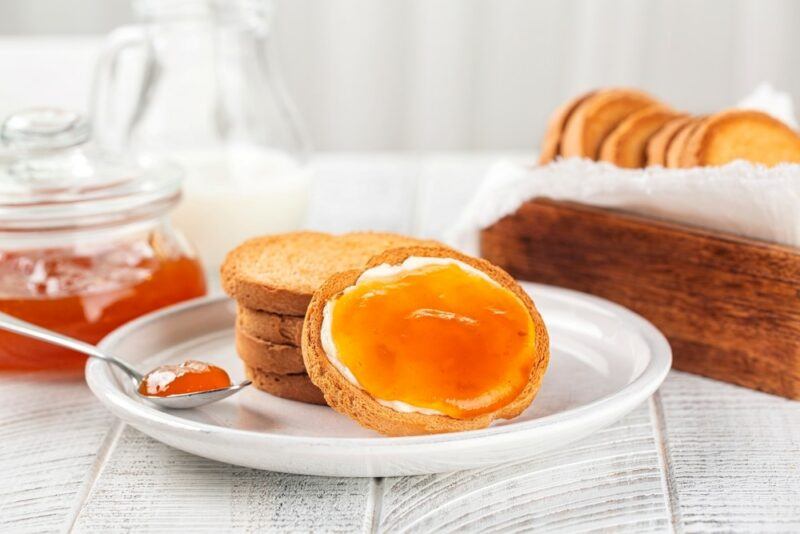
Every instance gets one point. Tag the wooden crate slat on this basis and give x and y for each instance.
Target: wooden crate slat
(729, 306)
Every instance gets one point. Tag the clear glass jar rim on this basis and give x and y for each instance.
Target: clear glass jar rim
(151, 193)
(53, 178)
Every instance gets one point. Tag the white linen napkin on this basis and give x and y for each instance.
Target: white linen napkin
(742, 198)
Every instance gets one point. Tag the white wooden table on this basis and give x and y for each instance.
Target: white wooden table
(698, 456)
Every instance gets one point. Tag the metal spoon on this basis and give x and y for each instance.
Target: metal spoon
(181, 401)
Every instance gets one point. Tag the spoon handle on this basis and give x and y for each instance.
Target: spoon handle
(18, 326)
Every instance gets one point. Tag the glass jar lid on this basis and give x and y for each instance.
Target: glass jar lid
(53, 178)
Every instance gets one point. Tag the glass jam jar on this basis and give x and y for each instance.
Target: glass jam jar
(85, 239)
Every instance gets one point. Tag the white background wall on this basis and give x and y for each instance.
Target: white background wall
(451, 74)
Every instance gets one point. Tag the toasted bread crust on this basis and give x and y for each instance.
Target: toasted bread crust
(626, 145)
(555, 128)
(356, 403)
(296, 387)
(272, 327)
(595, 117)
(659, 142)
(279, 273)
(275, 291)
(676, 148)
(742, 134)
(272, 357)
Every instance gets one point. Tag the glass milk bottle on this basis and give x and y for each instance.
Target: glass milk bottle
(197, 81)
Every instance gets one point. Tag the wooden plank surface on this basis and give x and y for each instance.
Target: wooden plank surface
(610, 481)
(147, 486)
(51, 429)
(700, 456)
(733, 456)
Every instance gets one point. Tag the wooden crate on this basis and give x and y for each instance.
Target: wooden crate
(730, 306)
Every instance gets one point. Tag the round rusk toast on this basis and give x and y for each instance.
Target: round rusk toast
(279, 273)
(555, 128)
(296, 386)
(657, 145)
(595, 118)
(626, 145)
(741, 134)
(348, 397)
(283, 329)
(274, 357)
(677, 147)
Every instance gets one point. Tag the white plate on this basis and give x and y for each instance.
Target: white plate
(605, 361)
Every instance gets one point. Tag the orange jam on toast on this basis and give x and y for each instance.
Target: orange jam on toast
(189, 377)
(437, 338)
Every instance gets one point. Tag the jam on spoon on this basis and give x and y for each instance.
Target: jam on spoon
(180, 387)
(191, 376)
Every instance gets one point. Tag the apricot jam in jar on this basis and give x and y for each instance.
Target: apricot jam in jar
(85, 239)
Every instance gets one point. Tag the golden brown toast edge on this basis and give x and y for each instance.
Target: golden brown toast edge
(280, 359)
(596, 117)
(297, 387)
(700, 145)
(677, 146)
(555, 127)
(273, 327)
(626, 145)
(658, 144)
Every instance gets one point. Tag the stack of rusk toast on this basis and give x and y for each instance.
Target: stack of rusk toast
(402, 335)
(272, 279)
(632, 129)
